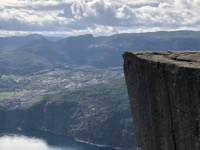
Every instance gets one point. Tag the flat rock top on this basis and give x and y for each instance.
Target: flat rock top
(189, 59)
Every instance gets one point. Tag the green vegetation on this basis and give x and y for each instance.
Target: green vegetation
(85, 103)
(104, 106)
(11, 94)
(7, 78)
(111, 94)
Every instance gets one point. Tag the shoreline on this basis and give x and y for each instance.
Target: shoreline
(22, 131)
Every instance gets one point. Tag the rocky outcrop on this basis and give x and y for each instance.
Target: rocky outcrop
(164, 93)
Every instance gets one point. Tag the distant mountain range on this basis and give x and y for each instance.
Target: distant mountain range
(32, 53)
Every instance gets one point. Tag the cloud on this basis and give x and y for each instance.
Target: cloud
(161, 13)
(99, 17)
(23, 19)
(100, 12)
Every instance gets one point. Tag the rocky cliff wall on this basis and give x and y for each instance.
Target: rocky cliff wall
(164, 93)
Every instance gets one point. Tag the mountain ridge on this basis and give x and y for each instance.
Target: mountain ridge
(34, 52)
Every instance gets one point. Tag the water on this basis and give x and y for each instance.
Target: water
(39, 140)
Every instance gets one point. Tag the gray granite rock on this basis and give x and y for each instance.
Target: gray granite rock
(164, 93)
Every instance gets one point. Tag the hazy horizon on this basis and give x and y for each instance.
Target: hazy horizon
(65, 36)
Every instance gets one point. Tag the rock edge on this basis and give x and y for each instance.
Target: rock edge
(164, 94)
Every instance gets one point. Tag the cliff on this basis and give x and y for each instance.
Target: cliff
(164, 94)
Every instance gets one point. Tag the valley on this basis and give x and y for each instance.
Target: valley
(74, 86)
(82, 102)
(27, 89)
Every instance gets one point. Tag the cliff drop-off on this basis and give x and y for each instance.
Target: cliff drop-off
(164, 94)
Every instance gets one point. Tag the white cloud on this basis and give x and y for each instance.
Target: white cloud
(93, 11)
(125, 13)
(15, 18)
(24, 3)
(98, 17)
(100, 12)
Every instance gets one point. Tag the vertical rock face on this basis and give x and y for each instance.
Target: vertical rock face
(164, 93)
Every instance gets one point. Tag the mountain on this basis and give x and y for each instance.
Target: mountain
(24, 55)
(96, 114)
(16, 41)
(74, 86)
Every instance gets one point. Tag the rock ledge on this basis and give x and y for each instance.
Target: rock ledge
(164, 93)
(190, 59)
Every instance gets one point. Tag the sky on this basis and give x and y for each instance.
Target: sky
(97, 17)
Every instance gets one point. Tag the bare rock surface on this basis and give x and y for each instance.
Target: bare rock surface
(164, 93)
